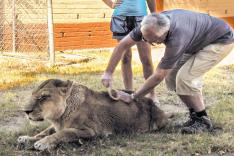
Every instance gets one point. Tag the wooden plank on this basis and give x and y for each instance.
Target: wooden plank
(81, 10)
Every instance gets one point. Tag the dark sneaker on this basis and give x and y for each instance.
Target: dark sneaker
(201, 124)
(191, 120)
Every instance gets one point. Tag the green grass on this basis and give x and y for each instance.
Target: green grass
(218, 92)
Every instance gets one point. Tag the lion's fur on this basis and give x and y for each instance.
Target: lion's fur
(76, 111)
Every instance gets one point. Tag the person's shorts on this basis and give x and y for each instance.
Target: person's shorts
(186, 78)
(122, 25)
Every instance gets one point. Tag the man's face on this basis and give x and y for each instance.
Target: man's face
(150, 37)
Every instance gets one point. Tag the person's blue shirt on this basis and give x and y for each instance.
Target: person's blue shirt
(131, 8)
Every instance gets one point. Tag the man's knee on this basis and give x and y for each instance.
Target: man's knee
(182, 79)
(187, 85)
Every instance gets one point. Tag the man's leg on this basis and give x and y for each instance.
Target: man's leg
(170, 81)
(144, 51)
(171, 77)
(194, 102)
(196, 107)
(189, 83)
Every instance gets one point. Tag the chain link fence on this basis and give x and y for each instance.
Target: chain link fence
(23, 26)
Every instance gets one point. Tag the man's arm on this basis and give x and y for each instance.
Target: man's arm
(152, 82)
(119, 50)
(151, 5)
(149, 84)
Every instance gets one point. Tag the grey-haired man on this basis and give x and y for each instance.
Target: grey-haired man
(195, 42)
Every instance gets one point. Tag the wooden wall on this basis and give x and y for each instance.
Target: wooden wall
(80, 11)
(219, 8)
(82, 24)
(83, 35)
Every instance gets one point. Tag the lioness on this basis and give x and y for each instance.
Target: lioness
(75, 112)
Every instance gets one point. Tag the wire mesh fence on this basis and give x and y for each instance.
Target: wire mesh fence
(23, 26)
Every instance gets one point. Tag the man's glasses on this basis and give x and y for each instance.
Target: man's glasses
(143, 39)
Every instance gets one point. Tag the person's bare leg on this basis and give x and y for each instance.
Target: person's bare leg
(196, 102)
(126, 69)
(144, 51)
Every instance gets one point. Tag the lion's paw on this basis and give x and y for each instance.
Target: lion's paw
(43, 145)
(23, 139)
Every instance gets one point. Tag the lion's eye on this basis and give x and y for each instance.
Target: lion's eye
(43, 97)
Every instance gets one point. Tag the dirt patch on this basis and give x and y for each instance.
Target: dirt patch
(12, 101)
(170, 108)
(13, 123)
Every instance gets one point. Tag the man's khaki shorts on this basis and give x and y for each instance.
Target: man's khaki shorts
(186, 78)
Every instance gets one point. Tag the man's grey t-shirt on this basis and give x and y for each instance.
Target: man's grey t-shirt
(189, 32)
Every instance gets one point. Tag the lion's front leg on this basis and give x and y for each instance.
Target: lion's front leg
(29, 140)
(64, 136)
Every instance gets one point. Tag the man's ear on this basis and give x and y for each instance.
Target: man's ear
(66, 88)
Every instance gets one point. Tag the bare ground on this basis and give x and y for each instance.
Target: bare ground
(12, 101)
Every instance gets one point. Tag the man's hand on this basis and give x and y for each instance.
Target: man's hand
(107, 79)
(116, 3)
(113, 3)
(123, 96)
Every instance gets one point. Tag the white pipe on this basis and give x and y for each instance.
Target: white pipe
(50, 32)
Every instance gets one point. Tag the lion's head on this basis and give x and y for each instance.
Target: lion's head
(48, 100)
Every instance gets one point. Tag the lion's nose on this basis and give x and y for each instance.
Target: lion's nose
(28, 111)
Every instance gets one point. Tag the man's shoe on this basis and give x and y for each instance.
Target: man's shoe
(191, 120)
(201, 124)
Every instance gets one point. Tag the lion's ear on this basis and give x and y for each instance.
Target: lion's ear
(65, 89)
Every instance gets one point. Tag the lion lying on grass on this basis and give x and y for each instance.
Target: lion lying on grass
(75, 112)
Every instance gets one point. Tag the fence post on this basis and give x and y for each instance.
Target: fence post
(1, 25)
(51, 33)
(13, 27)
